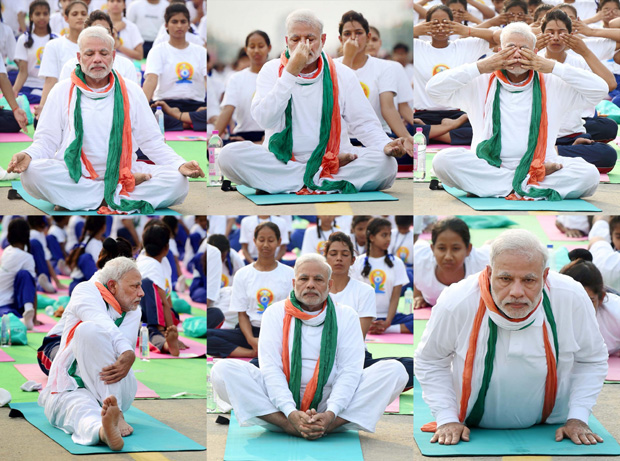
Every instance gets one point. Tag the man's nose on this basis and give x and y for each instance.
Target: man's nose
(516, 289)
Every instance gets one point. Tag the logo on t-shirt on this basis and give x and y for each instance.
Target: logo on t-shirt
(377, 280)
(440, 68)
(403, 253)
(366, 89)
(39, 55)
(64, 31)
(320, 247)
(224, 281)
(168, 288)
(185, 72)
(264, 296)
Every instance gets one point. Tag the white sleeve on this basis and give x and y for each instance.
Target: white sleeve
(588, 89)
(49, 61)
(48, 135)
(154, 61)
(245, 234)
(231, 94)
(131, 325)
(214, 274)
(452, 87)
(400, 272)
(272, 96)
(239, 300)
(308, 243)
(21, 53)
(600, 229)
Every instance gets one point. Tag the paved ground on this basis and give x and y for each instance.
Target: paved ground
(431, 202)
(226, 203)
(392, 441)
(19, 440)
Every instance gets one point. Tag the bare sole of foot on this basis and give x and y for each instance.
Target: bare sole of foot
(551, 167)
(124, 428)
(344, 159)
(110, 433)
(141, 177)
(172, 341)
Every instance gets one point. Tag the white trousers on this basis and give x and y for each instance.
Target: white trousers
(461, 168)
(241, 385)
(254, 166)
(79, 412)
(48, 179)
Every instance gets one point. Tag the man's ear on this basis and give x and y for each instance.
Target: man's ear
(323, 38)
(112, 286)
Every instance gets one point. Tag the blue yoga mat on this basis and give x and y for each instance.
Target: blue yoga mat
(149, 434)
(48, 208)
(254, 443)
(501, 204)
(536, 440)
(279, 199)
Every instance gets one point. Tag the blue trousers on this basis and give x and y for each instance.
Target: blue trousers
(406, 361)
(406, 319)
(88, 267)
(24, 291)
(38, 253)
(221, 343)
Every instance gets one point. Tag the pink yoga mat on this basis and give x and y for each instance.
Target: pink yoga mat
(4, 357)
(604, 177)
(404, 174)
(32, 371)
(422, 314)
(548, 225)
(393, 407)
(186, 135)
(390, 338)
(48, 323)
(195, 349)
(14, 137)
(245, 359)
(441, 146)
(614, 369)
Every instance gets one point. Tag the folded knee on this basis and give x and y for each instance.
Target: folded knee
(90, 330)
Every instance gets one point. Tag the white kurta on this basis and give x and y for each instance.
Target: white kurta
(608, 317)
(567, 88)
(516, 392)
(357, 395)
(97, 343)
(252, 165)
(47, 176)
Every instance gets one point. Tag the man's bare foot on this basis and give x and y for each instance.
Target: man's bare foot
(343, 159)
(124, 428)
(172, 341)
(60, 208)
(551, 167)
(141, 177)
(110, 433)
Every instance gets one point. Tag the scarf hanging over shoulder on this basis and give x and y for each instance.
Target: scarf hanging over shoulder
(120, 150)
(325, 154)
(292, 368)
(533, 160)
(551, 384)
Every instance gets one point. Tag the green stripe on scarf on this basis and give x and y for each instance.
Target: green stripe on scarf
(281, 144)
(115, 147)
(327, 354)
(491, 148)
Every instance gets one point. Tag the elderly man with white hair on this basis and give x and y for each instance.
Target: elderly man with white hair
(308, 105)
(516, 102)
(91, 382)
(311, 379)
(83, 154)
(510, 347)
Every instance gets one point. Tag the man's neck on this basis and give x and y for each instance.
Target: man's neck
(316, 308)
(95, 84)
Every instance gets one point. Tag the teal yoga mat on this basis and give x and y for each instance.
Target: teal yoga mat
(48, 208)
(279, 199)
(149, 434)
(255, 443)
(501, 204)
(537, 440)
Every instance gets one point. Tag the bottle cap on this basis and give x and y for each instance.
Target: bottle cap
(144, 324)
(215, 132)
(158, 107)
(418, 129)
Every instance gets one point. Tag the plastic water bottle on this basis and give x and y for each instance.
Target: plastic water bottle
(144, 343)
(5, 333)
(214, 148)
(159, 115)
(211, 402)
(419, 155)
(409, 300)
(551, 260)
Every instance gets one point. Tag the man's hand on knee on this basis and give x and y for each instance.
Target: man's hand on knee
(119, 369)
(191, 170)
(451, 434)
(579, 432)
(399, 147)
(19, 163)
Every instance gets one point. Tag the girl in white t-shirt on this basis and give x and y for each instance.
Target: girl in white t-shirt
(449, 259)
(128, 41)
(359, 223)
(386, 274)
(316, 237)
(256, 287)
(82, 259)
(402, 240)
(605, 248)
(58, 23)
(176, 70)
(29, 52)
(240, 90)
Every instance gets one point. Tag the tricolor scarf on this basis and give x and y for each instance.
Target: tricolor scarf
(487, 305)
(292, 367)
(533, 160)
(325, 154)
(120, 150)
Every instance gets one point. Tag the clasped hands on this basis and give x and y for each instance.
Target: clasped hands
(311, 425)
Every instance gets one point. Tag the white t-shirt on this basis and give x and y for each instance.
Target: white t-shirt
(33, 56)
(359, 296)
(237, 263)
(57, 53)
(7, 42)
(58, 24)
(249, 223)
(93, 248)
(382, 279)
(130, 36)
(12, 261)
(181, 73)
(160, 273)
(401, 246)
(147, 17)
(608, 317)
(162, 36)
(405, 83)
(59, 233)
(429, 61)
(254, 291)
(214, 272)
(239, 92)
(40, 237)
(72, 237)
(122, 65)
(603, 255)
(10, 10)
(315, 240)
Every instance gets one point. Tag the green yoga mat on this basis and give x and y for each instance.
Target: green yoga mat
(192, 151)
(279, 199)
(48, 208)
(501, 204)
(149, 434)
(255, 443)
(418, 329)
(536, 440)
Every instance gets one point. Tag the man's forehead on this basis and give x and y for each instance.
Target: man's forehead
(517, 263)
(133, 276)
(303, 29)
(311, 269)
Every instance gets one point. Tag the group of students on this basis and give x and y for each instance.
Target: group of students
(171, 36)
(450, 258)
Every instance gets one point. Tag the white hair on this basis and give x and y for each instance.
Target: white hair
(517, 28)
(96, 32)
(519, 241)
(313, 257)
(305, 17)
(116, 269)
